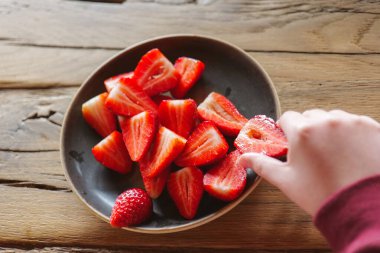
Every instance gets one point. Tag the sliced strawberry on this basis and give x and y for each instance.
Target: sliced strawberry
(190, 71)
(98, 116)
(159, 98)
(178, 115)
(112, 153)
(204, 146)
(262, 135)
(129, 99)
(166, 148)
(218, 109)
(154, 185)
(138, 132)
(227, 179)
(185, 187)
(111, 82)
(155, 73)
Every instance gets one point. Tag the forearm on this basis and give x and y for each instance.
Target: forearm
(350, 219)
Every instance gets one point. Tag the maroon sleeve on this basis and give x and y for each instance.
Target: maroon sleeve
(350, 219)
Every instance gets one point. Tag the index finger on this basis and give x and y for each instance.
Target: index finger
(290, 121)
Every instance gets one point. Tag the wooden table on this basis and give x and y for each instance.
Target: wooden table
(320, 54)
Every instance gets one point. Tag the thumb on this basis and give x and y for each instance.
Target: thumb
(272, 170)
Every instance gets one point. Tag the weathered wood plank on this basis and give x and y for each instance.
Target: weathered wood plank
(58, 218)
(41, 170)
(70, 67)
(47, 67)
(149, 249)
(286, 25)
(32, 119)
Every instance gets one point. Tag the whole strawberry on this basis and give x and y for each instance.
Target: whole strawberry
(132, 207)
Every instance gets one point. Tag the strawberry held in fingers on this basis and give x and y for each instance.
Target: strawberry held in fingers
(129, 99)
(262, 135)
(190, 71)
(154, 185)
(98, 116)
(138, 133)
(218, 109)
(132, 207)
(112, 153)
(166, 148)
(111, 82)
(204, 146)
(178, 115)
(155, 73)
(185, 187)
(227, 179)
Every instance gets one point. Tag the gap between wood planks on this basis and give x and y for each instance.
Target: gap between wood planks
(167, 2)
(246, 50)
(30, 184)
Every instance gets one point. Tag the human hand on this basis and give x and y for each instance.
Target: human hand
(327, 151)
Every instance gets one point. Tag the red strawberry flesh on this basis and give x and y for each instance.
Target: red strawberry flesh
(138, 133)
(204, 146)
(218, 109)
(128, 99)
(111, 82)
(166, 148)
(98, 116)
(190, 71)
(262, 135)
(227, 179)
(185, 187)
(154, 185)
(112, 153)
(178, 115)
(155, 73)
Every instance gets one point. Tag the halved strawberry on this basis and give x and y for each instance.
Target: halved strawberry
(111, 82)
(178, 115)
(204, 146)
(138, 132)
(159, 98)
(218, 109)
(154, 185)
(98, 116)
(166, 148)
(155, 73)
(112, 153)
(185, 187)
(262, 135)
(190, 71)
(129, 99)
(227, 179)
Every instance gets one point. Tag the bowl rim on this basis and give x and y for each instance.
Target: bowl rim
(190, 224)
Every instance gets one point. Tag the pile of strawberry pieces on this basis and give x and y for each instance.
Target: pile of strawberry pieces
(172, 138)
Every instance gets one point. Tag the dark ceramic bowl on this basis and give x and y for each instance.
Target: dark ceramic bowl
(229, 71)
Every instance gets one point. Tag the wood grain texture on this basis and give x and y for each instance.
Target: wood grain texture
(281, 25)
(31, 179)
(318, 53)
(148, 249)
(70, 67)
(58, 218)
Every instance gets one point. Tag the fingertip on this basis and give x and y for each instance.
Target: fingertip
(247, 160)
